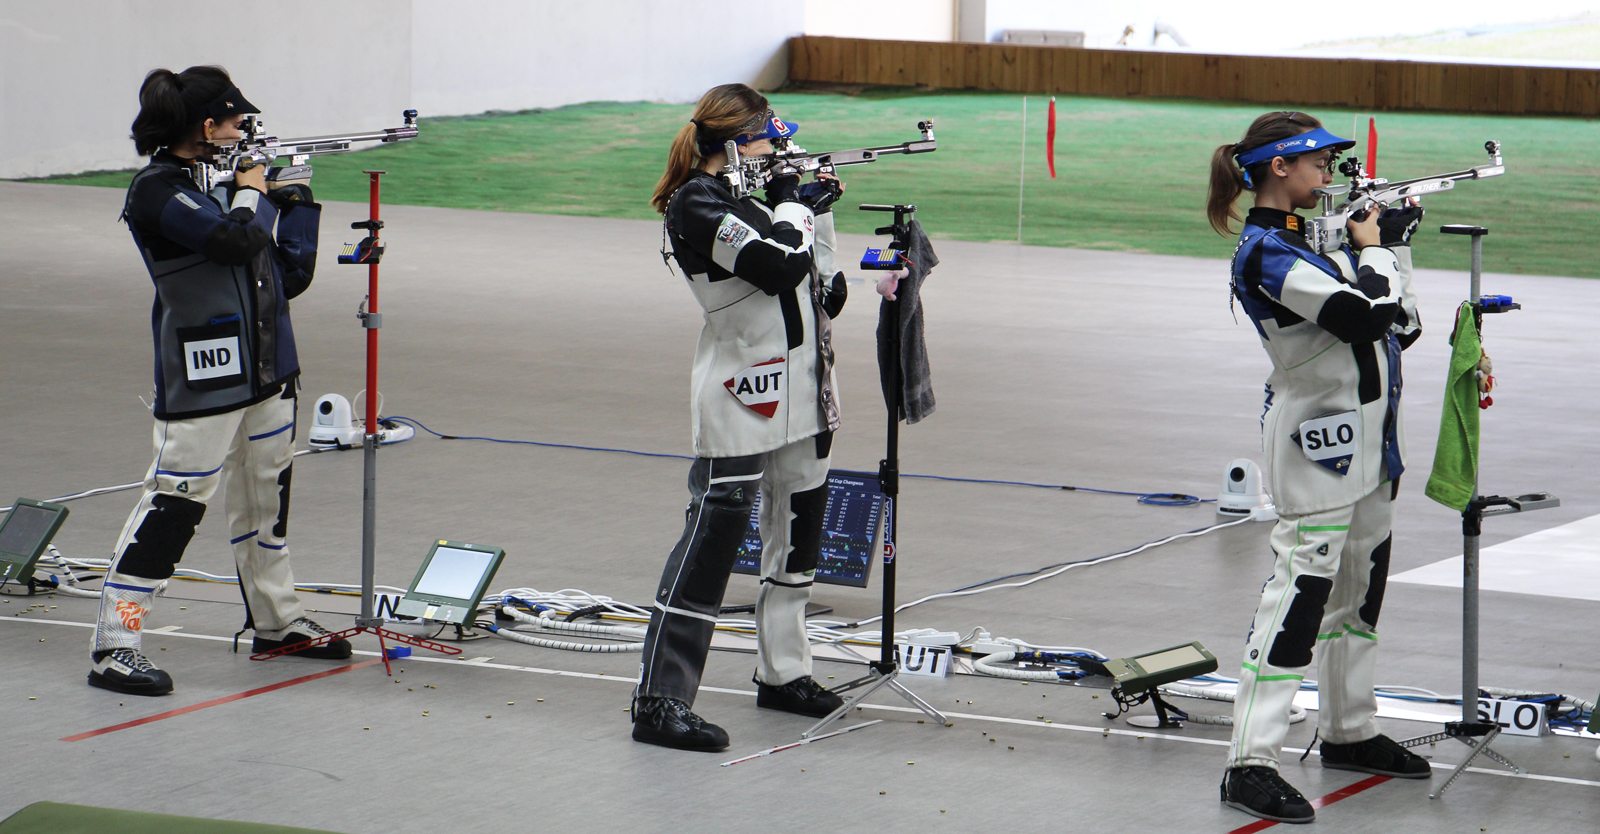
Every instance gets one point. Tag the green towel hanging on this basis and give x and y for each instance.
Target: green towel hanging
(1455, 461)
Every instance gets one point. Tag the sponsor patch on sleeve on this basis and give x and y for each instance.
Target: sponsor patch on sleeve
(733, 232)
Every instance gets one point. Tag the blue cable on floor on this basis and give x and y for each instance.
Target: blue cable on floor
(1157, 499)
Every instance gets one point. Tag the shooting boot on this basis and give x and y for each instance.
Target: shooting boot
(669, 723)
(302, 630)
(129, 672)
(1261, 792)
(1381, 755)
(803, 696)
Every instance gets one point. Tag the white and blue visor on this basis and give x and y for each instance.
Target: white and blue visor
(1317, 139)
(771, 127)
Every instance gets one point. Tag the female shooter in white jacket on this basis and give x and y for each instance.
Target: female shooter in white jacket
(1334, 326)
(763, 413)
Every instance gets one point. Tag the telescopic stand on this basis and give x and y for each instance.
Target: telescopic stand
(369, 252)
(1476, 733)
(886, 669)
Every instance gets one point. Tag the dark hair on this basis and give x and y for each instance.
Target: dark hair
(1227, 181)
(167, 101)
(717, 117)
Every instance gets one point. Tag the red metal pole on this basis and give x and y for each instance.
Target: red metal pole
(372, 307)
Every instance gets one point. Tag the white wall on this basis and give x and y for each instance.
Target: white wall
(476, 55)
(70, 70)
(898, 20)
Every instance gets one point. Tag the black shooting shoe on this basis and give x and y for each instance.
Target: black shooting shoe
(302, 630)
(1381, 755)
(803, 696)
(669, 723)
(1261, 792)
(127, 671)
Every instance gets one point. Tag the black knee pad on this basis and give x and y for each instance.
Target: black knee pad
(281, 529)
(805, 532)
(1376, 584)
(1293, 644)
(162, 537)
(711, 558)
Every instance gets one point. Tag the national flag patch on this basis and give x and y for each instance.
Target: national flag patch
(760, 387)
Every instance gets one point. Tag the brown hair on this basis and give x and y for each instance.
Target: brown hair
(1227, 181)
(718, 115)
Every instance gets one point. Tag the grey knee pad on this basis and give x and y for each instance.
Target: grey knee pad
(162, 537)
(1293, 644)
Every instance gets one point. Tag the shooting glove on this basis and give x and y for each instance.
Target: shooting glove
(290, 195)
(784, 188)
(821, 195)
(1397, 225)
(834, 295)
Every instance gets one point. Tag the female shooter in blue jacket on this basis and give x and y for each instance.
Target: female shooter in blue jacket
(1333, 326)
(225, 371)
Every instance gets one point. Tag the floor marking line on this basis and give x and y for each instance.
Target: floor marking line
(137, 722)
(1323, 802)
(1537, 777)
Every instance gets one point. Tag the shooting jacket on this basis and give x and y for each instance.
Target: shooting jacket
(1334, 327)
(220, 322)
(763, 370)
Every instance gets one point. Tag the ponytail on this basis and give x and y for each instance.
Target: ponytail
(1228, 181)
(169, 102)
(682, 159)
(718, 116)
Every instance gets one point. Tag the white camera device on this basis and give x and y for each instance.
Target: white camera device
(335, 426)
(1244, 494)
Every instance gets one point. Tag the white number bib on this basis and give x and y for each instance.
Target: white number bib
(1332, 440)
(211, 358)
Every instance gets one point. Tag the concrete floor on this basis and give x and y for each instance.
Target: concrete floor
(1109, 370)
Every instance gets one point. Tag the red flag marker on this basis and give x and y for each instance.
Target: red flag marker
(1050, 139)
(1372, 147)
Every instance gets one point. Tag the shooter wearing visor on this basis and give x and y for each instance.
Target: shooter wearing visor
(763, 412)
(226, 372)
(1333, 327)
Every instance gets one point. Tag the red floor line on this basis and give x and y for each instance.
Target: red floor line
(1342, 793)
(223, 700)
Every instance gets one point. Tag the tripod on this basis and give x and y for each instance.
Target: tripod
(369, 252)
(885, 671)
(1473, 729)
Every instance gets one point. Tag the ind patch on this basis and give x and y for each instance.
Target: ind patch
(211, 358)
(760, 387)
(733, 232)
(1331, 440)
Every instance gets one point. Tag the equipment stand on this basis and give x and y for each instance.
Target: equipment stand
(1476, 733)
(370, 252)
(885, 671)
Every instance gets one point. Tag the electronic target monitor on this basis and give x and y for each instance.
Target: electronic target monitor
(849, 526)
(451, 582)
(24, 534)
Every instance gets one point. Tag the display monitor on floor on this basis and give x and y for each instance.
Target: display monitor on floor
(849, 528)
(451, 582)
(24, 534)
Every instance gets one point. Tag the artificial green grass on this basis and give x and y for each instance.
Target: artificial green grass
(1132, 173)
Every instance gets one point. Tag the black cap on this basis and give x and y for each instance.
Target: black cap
(230, 103)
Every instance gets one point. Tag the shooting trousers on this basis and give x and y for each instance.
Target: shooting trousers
(1326, 592)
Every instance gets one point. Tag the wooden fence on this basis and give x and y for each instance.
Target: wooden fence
(1349, 82)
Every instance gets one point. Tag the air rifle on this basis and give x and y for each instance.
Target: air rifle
(259, 148)
(747, 174)
(1327, 231)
